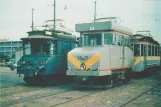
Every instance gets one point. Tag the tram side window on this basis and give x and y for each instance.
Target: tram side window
(121, 40)
(53, 47)
(156, 51)
(127, 42)
(149, 50)
(153, 50)
(108, 38)
(67, 46)
(59, 47)
(136, 49)
(132, 46)
(117, 40)
(142, 50)
(114, 38)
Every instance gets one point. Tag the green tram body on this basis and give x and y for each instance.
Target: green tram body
(44, 55)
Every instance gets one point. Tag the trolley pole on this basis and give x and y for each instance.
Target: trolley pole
(95, 11)
(54, 12)
(32, 19)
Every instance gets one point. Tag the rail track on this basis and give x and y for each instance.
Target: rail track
(63, 95)
(140, 95)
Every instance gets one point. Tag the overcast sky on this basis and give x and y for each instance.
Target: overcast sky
(15, 18)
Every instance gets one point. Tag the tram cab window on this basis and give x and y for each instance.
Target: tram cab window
(27, 47)
(40, 46)
(91, 39)
(108, 38)
(136, 49)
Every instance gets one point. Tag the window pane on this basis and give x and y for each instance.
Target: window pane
(122, 40)
(153, 50)
(108, 38)
(136, 49)
(156, 50)
(91, 39)
(40, 46)
(142, 50)
(149, 50)
(132, 46)
(118, 40)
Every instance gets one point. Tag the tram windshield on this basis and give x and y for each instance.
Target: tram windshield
(40, 46)
(91, 39)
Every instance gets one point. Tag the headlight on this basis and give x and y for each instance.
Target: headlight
(41, 68)
(23, 62)
(42, 62)
(97, 69)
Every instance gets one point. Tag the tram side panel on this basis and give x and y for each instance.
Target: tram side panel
(128, 58)
(116, 61)
(110, 58)
(145, 61)
(100, 62)
(153, 61)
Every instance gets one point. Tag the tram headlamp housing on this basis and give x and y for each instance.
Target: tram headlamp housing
(23, 62)
(42, 62)
(97, 69)
(41, 68)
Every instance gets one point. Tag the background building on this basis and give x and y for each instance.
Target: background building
(7, 49)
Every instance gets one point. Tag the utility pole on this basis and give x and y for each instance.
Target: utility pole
(32, 19)
(54, 12)
(95, 11)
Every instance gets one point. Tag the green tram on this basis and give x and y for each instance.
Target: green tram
(44, 57)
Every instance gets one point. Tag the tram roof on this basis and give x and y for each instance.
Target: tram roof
(140, 38)
(37, 37)
(102, 26)
(65, 37)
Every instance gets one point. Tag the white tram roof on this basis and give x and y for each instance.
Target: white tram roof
(102, 26)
